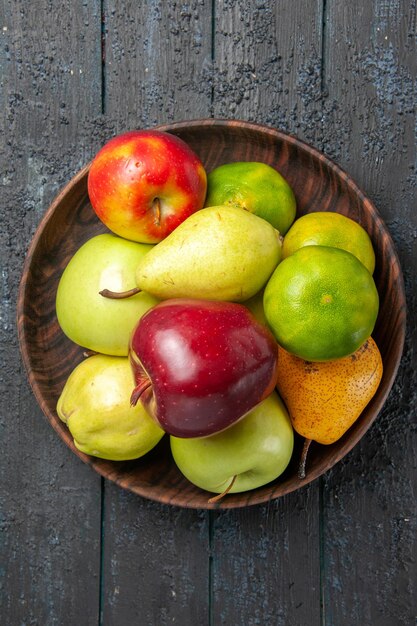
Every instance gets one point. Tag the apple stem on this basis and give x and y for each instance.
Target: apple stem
(114, 295)
(303, 460)
(138, 391)
(156, 206)
(226, 491)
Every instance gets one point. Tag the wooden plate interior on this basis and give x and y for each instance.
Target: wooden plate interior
(49, 356)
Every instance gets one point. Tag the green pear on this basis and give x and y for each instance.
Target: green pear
(218, 253)
(88, 319)
(247, 455)
(95, 405)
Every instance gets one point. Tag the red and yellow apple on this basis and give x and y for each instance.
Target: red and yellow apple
(143, 184)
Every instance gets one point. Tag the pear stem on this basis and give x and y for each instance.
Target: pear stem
(139, 390)
(303, 460)
(88, 353)
(114, 295)
(226, 491)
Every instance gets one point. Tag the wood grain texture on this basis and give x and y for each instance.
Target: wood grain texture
(157, 62)
(370, 547)
(267, 64)
(156, 562)
(50, 507)
(266, 563)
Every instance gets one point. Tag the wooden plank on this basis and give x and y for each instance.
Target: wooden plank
(370, 548)
(267, 68)
(267, 64)
(157, 62)
(266, 560)
(155, 562)
(155, 559)
(49, 501)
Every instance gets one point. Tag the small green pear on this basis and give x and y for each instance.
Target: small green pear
(95, 405)
(218, 253)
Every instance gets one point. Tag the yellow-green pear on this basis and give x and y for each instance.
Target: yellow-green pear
(95, 405)
(218, 253)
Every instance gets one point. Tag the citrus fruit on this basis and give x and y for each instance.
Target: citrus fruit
(321, 303)
(256, 187)
(330, 229)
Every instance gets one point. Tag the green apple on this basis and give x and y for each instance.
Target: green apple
(256, 187)
(88, 319)
(250, 454)
(95, 405)
(256, 307)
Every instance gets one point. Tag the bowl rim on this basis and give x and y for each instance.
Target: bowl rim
(274, 491)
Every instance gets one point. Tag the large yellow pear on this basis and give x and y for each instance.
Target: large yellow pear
(218, 253)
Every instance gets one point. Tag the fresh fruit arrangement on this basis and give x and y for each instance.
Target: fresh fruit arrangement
(200, 365)
(214, 316)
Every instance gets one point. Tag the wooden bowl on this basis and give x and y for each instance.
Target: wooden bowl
(49, 357)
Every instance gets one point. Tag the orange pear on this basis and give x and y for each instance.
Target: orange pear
(324, 399)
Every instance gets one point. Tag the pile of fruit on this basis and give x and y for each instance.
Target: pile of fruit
(210, 313)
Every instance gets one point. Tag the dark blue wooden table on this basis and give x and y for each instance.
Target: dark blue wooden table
(76, 549)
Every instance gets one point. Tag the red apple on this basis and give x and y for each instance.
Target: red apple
(143, 184)
(200, 366)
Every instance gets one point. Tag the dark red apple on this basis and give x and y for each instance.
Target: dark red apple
(200, 366)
